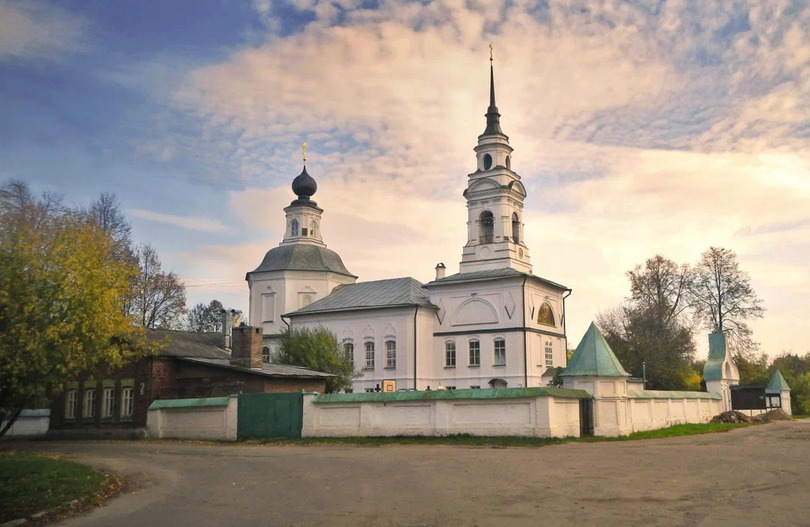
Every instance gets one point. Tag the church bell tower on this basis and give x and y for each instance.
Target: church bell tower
(494, 201)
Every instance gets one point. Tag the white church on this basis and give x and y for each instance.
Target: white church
(492, 325)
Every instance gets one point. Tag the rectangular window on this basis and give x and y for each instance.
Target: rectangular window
(127, 400)
(108, 407)
(500, 352)
(475, 353)
(370, 390)
(390, 354)
(475, 387)
(71, 400)
(348, 352)
(549, 354)
(450, 354)
(369, 355)
(450, 387)
(268, 307)
(89, 402)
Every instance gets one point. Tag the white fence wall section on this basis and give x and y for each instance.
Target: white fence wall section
(531, 412)
(30, 423)
(212, 418)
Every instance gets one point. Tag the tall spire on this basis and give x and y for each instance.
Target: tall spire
(492, 115)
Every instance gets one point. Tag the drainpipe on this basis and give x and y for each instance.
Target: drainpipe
(565, 332)
(415, 339)
(525, 337)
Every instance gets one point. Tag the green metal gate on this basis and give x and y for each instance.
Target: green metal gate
(263, 415)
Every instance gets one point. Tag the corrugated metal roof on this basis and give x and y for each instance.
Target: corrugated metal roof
(594, 357)
(302, 257)
(369, 295)
(188, 343)
(267, 370)
(432, 395)
(491, 274)
(777, 383)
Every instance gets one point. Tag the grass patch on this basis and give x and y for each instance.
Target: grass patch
(30, 483)
(500, 442)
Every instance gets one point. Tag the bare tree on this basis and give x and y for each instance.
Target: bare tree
(106, 213)
(158, 298)
(723, 297)
(661, 287)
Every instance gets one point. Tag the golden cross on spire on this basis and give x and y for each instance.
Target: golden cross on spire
(490, 53)
(304, 152)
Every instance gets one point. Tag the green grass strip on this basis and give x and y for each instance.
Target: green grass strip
(30, 483)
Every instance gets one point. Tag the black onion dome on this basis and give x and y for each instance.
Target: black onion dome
(304, 185)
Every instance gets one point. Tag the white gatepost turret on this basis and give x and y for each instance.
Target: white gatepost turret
(720, 371)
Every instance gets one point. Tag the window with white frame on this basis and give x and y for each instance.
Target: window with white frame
(127, 401)
(369, 347)
(294, 228)
(108, 402)
(348, 351)
(475, 387)
(450, 354)
(390, 354)
(500, 352)
(89, 402)
(71, 400)
(549, 354)
(265, 354)
(475, 353)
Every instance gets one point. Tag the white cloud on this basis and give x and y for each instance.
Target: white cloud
(195, 223)
(39, 30)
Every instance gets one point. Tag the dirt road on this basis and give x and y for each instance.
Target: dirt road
(753, 476)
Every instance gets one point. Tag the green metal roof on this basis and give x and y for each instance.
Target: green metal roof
(491, 274)
(777, 383)
(594, 357)
(302, 257)
(713, 369)
(438, 395)
(666, 394)
(189, 403)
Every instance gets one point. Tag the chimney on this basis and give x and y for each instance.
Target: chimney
(247, 347)
(231, 318)
(440, 270)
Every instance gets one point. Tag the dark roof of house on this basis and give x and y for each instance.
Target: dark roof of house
(491, 274)
(394, 292)
(207, 348)
(302, 257)
(267, 370)
(188, 343)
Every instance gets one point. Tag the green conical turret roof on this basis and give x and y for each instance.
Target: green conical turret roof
(594, 357)
(777, 383)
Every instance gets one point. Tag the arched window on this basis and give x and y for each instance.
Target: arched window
(509, 162)
(294, 228)
(390, 354)
(515, 228)
(545, 315)
(486, 227)
(475, 353)
(348, 351)
(487, 161)
(313, 231)
(450, 354)
(265, 354)
(369, 347)
(500, 352)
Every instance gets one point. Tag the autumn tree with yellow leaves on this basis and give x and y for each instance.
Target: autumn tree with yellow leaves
(62, 287)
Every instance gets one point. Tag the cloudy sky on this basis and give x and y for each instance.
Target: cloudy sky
(639, 127)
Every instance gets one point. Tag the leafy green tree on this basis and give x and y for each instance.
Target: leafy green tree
(61, 288)
(316, 349)
(753, 368)
(648, 333)
(204, 317)
(158, 298)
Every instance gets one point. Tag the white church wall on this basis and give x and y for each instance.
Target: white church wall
(375, 326)
(543, 416)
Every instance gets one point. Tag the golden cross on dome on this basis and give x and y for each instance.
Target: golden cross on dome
(304, 151)
(490, 53)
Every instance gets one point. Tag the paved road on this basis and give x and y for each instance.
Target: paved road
(754, 476)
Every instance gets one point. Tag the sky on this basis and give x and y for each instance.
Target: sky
(640, 127)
